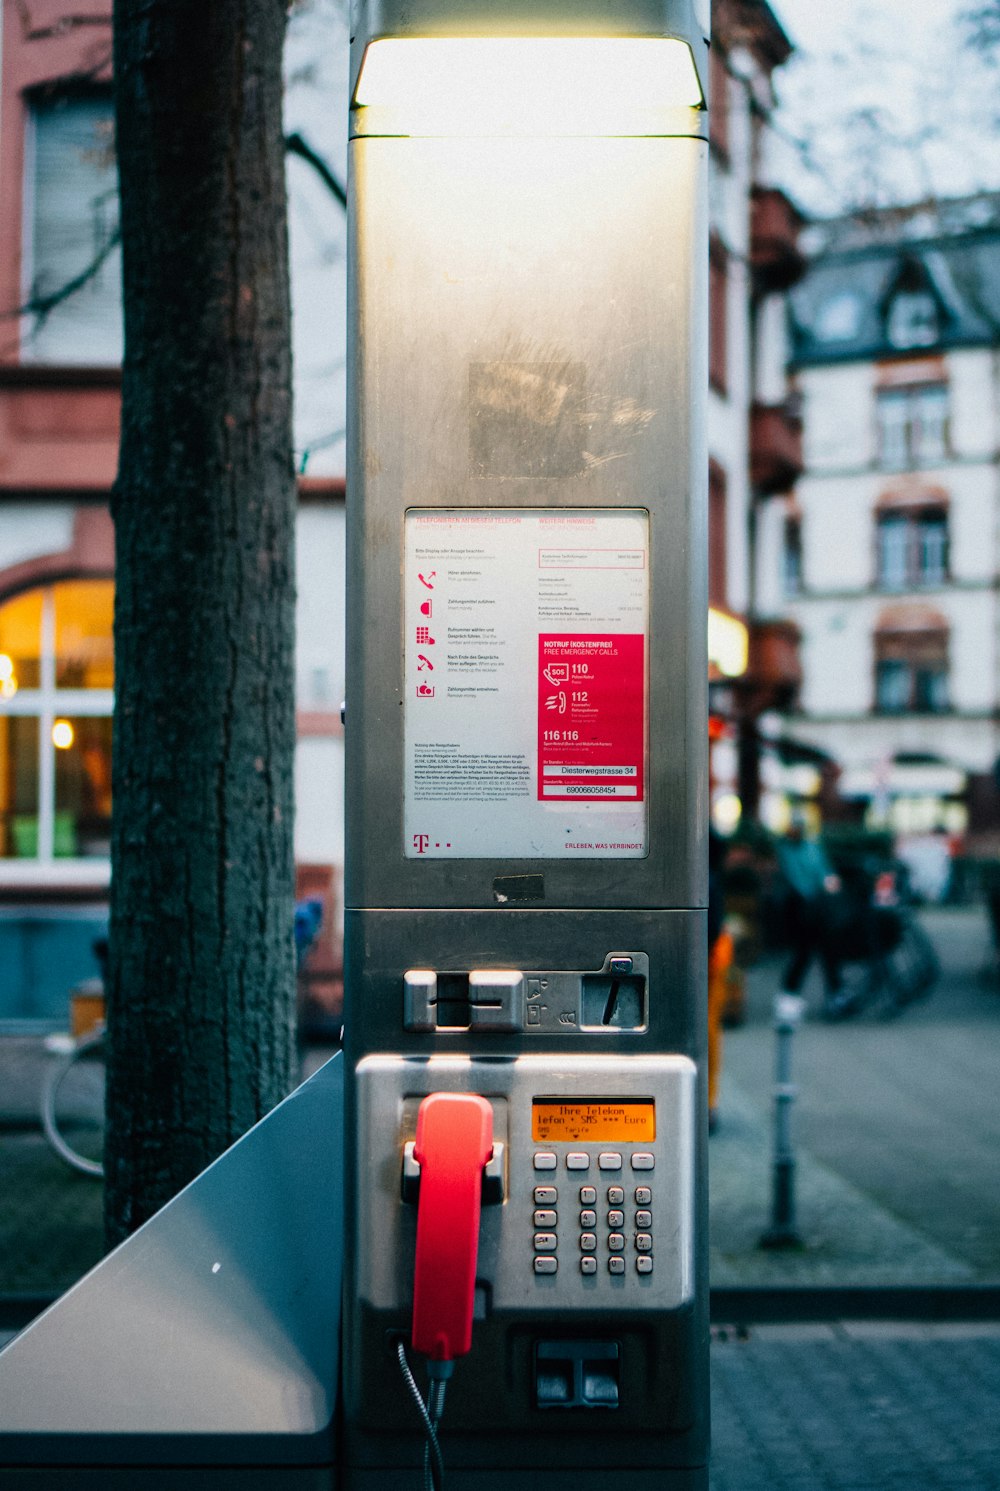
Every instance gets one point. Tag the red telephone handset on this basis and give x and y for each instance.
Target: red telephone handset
(454, 1141)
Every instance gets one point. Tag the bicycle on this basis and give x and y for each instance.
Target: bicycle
(73, 1090)
(73, 1103)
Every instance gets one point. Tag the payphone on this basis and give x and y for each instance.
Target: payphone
(526, 789)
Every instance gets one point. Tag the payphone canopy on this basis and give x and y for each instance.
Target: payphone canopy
(687, 20)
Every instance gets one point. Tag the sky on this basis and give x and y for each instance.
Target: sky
(891, 104)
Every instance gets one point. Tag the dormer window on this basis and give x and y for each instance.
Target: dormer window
(912, 319)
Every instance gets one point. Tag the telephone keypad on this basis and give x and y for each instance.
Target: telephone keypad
(614, 1244)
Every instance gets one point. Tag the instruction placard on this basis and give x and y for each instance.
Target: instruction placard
(525, 670)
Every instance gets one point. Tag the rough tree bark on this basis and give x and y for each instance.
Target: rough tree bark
(201, 1004)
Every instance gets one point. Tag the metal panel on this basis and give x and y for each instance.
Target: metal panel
(211, 1336)
(584, 252)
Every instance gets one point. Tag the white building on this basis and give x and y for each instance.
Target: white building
(886, 556)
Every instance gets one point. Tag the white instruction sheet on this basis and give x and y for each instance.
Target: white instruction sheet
(525, 672)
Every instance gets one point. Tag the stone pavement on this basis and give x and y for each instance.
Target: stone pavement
(856, 1406)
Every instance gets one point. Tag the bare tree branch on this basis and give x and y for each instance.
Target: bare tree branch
(296, 145)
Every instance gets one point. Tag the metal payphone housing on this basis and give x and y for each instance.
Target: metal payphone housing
(528, 323)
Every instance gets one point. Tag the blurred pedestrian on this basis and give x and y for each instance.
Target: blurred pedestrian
(812, 904)
(720, 957)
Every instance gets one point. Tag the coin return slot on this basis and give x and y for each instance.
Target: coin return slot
(576, 1374)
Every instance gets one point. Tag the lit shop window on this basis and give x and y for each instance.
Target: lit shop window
(71, 244)
(56, 681)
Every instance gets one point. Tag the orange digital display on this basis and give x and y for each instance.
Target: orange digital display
(593, 1120)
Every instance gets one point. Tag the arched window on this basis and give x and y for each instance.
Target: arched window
(911, 661)
(56, 698)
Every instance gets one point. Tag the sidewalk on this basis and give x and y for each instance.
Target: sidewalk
(856, 1406)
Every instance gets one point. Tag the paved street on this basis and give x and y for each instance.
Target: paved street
(897, 1128)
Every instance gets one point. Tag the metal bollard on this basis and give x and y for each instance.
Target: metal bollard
(783, 1233)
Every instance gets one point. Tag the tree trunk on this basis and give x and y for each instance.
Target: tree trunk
(201, 1003)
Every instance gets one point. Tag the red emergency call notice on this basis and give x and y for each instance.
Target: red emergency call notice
(591, 713)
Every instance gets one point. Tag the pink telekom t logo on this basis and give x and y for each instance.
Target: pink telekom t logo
(420, 842)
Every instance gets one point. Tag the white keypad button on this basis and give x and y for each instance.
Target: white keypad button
(615, 1195)
(546, 1195)
(643, 1242)
(616, 1219)
(644, 1265)
(642, 1161)
(616, 1242)
(643, 1195)
(546, 1265)
(644, 1220)
(616, 1265)
(578, 1162)
(545, 1242)
(611, 1161)
(588, 1242)
(588, 1195)
(545, 1218)
(588, 1219)
(588, 1264)
(544, 1160)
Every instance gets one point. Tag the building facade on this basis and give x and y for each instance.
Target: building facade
(754, 432)
(886, 554)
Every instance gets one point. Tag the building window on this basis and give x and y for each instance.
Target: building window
(56, 682)
(72, 258)
(912, 549)
(718, 282)
(791, 557)
(911, 672)
(912, 319)
(912, 426)
(717, 518)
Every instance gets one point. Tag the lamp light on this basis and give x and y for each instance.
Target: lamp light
(525, 85)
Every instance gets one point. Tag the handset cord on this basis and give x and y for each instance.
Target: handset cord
(430, 1416)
